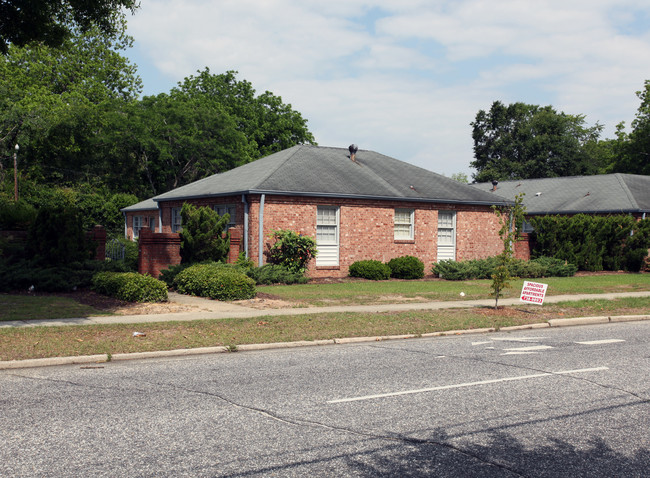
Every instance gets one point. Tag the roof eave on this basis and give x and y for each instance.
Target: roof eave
(503, 202)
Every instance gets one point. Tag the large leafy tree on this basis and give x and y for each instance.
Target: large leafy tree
(53, 103)
(522, 141)
(268, 124)
(51, 22)
(633, 150)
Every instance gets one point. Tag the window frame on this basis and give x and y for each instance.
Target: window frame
(176, 220)
(335, 226)
(137, 228)
(410, 224)
(232, 222)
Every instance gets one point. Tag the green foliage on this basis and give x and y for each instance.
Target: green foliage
(56, 237)
(274, 274)
(406, 267)
(244, 262)
(632, 151)
(371, 270)
(511, 220)
(216, 281)
(593, 243)
(130, 286)
(52, 21)
(201, 237)
(291, 250)
(169, 275)
(521, 141)
(486, 268)
(16, 215)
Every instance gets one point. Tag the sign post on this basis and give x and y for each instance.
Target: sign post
(533, 292)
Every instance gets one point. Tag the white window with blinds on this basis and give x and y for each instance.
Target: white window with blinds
(230, 209)
(327, 236)
(176, 219)
(404, 224)
(446, 235)
(137, 226)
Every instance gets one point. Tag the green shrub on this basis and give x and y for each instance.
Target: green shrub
(169, 275)
(275, 274)
(485, 268)
(56, 237)
(406, 267)
(201, 237)
(370, 269)
(291, 250)
(216, 281)
(130, 286)
(244, 262)
(16, 215)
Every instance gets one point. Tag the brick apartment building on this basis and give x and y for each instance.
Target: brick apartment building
(357, 204)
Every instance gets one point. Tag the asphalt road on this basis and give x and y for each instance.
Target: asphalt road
(537, 403)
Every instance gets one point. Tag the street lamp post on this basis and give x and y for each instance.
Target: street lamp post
(16, 172)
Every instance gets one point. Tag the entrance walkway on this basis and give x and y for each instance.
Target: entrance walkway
(212, 309)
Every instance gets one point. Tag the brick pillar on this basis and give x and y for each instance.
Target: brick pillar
(523, 247)
(235, 245)
(157, 251)
(98, 235)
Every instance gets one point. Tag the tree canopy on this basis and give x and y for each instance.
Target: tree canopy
(522, 141)
(632, 151)
(51, 22)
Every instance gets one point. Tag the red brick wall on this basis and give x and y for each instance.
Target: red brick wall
(366, 229)
(157, 252)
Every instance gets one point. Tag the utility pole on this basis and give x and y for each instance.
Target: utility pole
(16, 172)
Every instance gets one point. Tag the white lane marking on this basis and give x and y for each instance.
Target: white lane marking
(519, 353)
(482, 343)
(529, 349)
(518, 339)
(598, 342)
(467, 384)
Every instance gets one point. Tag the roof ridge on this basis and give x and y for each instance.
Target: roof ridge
(267, 176)
(627, 191)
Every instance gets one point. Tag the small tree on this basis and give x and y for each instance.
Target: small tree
(291, 250)
(201, 237)
(511, 220)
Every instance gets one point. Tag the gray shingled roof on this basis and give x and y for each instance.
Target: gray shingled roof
(146, 205)
(306, 170)
(602, 194)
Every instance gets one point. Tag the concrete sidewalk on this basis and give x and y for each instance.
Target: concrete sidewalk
(212, 309)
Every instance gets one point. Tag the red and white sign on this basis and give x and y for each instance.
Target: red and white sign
(533, 292)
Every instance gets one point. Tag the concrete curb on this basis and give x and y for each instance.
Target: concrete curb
(105, 358)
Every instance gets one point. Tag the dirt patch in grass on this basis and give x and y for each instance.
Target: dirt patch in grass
(119, 307)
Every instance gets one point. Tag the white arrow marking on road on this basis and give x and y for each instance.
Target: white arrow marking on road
(468, 384)
(598, 342)
(482, 343)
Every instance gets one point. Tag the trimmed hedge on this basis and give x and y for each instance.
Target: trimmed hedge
(370, 269)
(406, 267)
(484, 268)
(216, 281)
(593, 243)
(130, 286)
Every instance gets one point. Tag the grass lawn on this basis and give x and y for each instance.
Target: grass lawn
(39, 342)
(22, 307)
(371, 292)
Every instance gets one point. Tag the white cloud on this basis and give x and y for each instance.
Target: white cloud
(406, 78)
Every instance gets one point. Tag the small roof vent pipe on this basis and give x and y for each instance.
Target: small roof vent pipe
(353, 148)
(494, 184)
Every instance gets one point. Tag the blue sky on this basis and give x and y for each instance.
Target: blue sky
(406, 77)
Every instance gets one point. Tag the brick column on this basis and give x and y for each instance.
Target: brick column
(235, 245)
(158, 251)
(98, 235)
